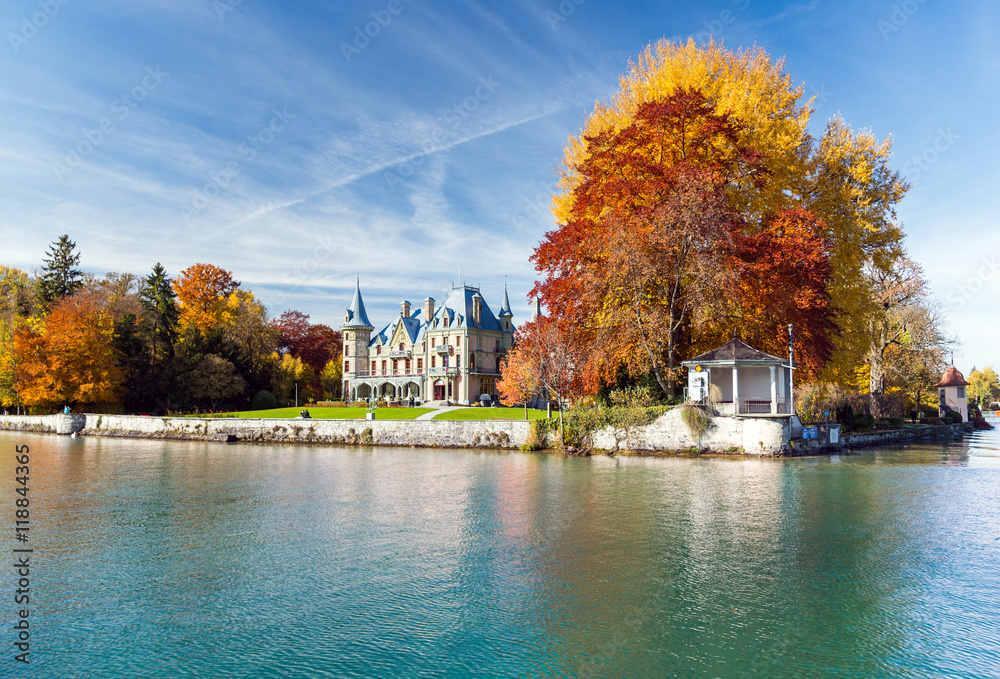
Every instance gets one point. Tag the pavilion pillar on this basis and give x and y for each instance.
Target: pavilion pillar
(736, 391)
(774, 392)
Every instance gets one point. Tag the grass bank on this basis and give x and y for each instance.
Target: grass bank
(327, 413)
(483, 414)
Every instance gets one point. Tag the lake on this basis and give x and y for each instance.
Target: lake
(184, 559)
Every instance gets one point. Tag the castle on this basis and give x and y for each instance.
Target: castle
(446, 353)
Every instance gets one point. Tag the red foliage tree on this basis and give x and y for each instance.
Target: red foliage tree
(658, 255)
(315, 344)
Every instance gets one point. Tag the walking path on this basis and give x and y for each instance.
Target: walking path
(430, 415)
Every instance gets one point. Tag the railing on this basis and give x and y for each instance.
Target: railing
(442, 348)
(397, 353)
(762, 406)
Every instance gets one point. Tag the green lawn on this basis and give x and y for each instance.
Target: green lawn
(334, 413)
(490, 414)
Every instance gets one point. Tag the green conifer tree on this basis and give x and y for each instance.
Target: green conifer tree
(60, 277)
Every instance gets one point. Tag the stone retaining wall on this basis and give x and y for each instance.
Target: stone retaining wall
(756, 436)
(437, 433)
(741, 436)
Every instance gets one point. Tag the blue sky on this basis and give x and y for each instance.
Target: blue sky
(271, 139)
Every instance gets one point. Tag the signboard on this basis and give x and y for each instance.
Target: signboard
(810, 432)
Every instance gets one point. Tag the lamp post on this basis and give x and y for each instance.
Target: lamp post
(791, 370)
(296, 394)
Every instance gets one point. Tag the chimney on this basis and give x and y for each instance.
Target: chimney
(477, 309)
(428, 309)
(404, 309)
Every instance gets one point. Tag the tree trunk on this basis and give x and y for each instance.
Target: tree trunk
(562, 435)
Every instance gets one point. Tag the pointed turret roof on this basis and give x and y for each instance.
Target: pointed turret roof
(357, 317)
(505, 309)
(952, 378)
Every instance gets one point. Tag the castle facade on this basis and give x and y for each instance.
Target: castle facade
(443, 353)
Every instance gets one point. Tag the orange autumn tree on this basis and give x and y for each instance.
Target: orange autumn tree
(647, 235)
(202, 291)
(546, 360)
(69, 359)
(656, 259)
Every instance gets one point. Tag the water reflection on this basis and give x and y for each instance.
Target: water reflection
(162, 558)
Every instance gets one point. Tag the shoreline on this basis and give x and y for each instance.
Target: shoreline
(660, 439)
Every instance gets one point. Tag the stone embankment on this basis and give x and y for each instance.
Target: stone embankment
(436, 433)
(759, 437)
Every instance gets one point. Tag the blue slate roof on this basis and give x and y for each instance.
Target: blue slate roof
(357, 317)
(458, 308)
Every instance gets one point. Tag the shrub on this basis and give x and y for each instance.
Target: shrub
(956, 418)
(263, 400)
(896, 422)
(537, 433)
(366, 436)
(697, 420)
(863, 422)
(845, 416)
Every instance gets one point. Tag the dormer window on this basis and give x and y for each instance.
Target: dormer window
(378, 350)
(401, 347)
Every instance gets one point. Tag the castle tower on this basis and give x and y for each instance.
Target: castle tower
(357, 332)
(951, 393)
(506, 325)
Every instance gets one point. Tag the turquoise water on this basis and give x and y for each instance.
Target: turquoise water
(174, 559)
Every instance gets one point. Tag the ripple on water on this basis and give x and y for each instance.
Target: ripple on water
(169, 559)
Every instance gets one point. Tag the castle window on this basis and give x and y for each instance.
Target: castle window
(407, 366)
(458, 361)
(378, 350)
(498, 346)
(347, 366)
(433, 361)
(432, 342)
(961, 392)
(420, 366)
(373, 367)
(401, 347)
(383, 366)
(472, 361)
(458, 341)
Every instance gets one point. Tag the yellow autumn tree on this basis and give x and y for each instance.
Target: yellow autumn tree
(202, 292)
(843, 178)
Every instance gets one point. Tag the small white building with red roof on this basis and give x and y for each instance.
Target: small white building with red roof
(951, 393)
